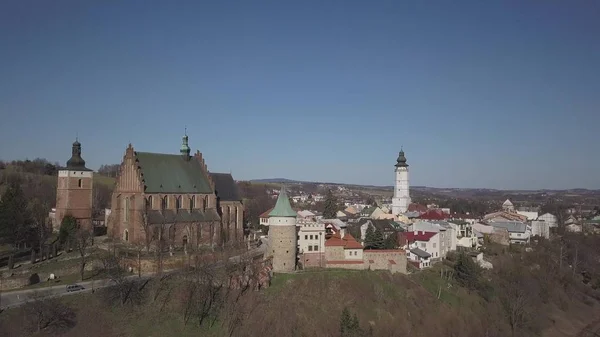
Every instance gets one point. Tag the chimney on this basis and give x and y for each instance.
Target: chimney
(342, 232)
(416, 232)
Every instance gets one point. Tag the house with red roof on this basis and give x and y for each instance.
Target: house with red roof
(434, 214)
(422, 247)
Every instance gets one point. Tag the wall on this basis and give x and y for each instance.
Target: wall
(353, 254)
(381, 260)
(310, 260)
(335, 253)
(354, 265)
(283, 242)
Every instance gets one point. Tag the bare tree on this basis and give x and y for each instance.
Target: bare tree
(125, 289)
(49, 314)
(519, 294)
(39, 215)
(83, 240)
(146, 227)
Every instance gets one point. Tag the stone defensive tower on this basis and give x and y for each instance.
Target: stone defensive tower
(401, 198)
(74, 190)
(283, 240)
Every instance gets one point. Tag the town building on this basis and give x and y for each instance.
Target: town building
(174, 200)
(311, 244)
(401, 198)
(74, 191)
(518, 232)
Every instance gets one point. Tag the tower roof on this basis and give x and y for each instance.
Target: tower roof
(401, 161)
(282, 206)
(185, 148)
(76, 163)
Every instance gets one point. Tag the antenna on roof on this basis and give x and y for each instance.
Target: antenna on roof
(76, 136)
(185, 130)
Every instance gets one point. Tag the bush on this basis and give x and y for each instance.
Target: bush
(34, 279)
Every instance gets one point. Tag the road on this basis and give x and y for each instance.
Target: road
(19, 297)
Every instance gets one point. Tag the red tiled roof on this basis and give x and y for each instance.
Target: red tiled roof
(385, 251)
(345, 262)
(348, 242)
(417, 208)
(434, 214)
(266, 213)
(420, 236)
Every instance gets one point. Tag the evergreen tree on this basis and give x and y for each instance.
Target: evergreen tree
(14, 218)
(331, 206)
(391, 242)
(374, 239)
(345, 322)
(68, 228)
(467, 272)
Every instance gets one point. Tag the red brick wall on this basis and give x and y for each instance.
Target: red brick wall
(74, 200)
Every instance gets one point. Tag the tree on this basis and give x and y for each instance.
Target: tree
(331, 206)
(519, 296)
(374, 238)
(68, 230)
(146, 227)
(14, 217)
(349, 325)
(391, 242)
(83, 239)
(467, 272)
(39, 216)
(49, 314)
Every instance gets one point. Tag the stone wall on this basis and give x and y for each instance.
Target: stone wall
(381, 260)
(335, 253)
(311, 260)
(282, 245)
(354, 265)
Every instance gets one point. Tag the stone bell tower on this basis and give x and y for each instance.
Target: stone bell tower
(401, 198)
(283, 238)
(74, 190)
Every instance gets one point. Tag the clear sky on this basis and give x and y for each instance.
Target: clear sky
(498, 94)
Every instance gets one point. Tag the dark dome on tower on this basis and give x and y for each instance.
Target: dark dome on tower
(401, 161)
(76, 163)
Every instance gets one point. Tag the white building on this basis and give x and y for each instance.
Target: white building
(311, 244)
(530, 215)
(447, 234)
(508, 206)
(422, 247)
(401, 198)
(518, 232)
(540, 228)
(550, 219)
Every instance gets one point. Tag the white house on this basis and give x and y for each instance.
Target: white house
(518, 232)
(550, 219)
(420, 257)
(530, 215)
(448, 238)
(426, 241)
(540, 228)
(311, 237)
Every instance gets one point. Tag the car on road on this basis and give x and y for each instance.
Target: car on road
(74, 287)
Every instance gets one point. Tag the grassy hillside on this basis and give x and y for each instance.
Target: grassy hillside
(310, 304)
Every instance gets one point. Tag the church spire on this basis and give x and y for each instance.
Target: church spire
(185, 149)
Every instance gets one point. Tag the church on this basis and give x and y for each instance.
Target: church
(174, 197)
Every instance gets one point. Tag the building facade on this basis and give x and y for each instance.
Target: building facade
(74, 191)
(174, 200)
(401, 198)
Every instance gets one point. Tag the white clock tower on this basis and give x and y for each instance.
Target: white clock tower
(401, 198)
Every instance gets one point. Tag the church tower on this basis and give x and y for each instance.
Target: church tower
(74, 190)
(401, 198)
(283, 238)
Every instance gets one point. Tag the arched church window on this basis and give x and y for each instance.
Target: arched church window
(149, 202)
(126, 235)
(126, 209)
(205, 203)
(79, 183)
(164, 202)
(192, 202)
(177, 202)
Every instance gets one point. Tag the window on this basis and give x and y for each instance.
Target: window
(422, 244)
(79, 183)
(310, 248)
(305, 237)
(192, 202)
(149, 202)
(126, 209)
(311, 237)
(164, 202)
(177, 202)
(316, 248)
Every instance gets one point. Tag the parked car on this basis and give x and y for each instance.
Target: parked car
(74, 287)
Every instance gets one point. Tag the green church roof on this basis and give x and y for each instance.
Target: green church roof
(282, 206)
(172, 173)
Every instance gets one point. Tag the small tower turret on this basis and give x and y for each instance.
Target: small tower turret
(283, 239)
(185, 149)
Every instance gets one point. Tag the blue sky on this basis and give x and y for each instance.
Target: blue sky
(498, 94)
